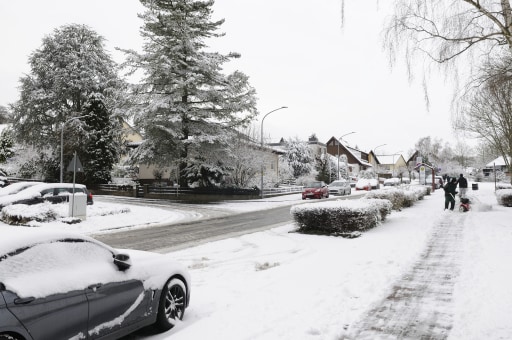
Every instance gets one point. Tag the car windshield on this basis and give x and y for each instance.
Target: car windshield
(337, 184)
(314, 185)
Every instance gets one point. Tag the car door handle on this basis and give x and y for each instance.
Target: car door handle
(95, 286)
(23, 301)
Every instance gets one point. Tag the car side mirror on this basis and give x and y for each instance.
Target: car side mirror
(122, 261)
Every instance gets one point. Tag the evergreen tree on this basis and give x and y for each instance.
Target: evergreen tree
(70, 65)
(4, 115)
(298, 155)
(322, 166)
(101, 146)
(184, 101)
(6, 145)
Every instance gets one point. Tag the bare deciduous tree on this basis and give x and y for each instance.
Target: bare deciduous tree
(487, 112)
(446, 29)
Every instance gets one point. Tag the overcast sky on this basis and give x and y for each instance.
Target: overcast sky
(333, 80)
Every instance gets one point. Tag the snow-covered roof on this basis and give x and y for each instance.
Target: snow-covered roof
(500, 161)
(388, 159)
(357, 155)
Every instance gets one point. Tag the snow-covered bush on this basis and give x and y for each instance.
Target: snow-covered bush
(399, 198)
(22, 214)
(419, 191)
(395, 196)
(384, 205)
(339, 218)
(501, 185)
(504, 197)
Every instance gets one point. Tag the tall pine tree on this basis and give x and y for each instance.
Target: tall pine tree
(184, 101)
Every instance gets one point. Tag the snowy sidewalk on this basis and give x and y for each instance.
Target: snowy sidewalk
(420, 304)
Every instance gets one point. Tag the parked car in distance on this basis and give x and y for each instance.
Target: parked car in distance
(374, 183)
(340, 187)
(406, 180)
(438, 180)
(59, 285)
(364, 184)
(391, 182)
(316, 189)
(353, 180)
(16, 187)
(46, 192)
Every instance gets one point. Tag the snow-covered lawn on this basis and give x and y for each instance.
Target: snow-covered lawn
(278, 284)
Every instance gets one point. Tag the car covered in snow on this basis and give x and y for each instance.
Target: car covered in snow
(16, 187)
(58, 285)
(394, 181)
(439, 182)
(340, 187)
(46, 192)
(364, 184)
(315, 189)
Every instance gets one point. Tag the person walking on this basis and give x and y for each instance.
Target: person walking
(449, 194)
(463, 186)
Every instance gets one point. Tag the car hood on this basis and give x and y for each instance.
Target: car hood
(151, 268)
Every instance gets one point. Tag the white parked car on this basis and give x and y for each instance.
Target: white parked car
(340, 187)
(391, 182)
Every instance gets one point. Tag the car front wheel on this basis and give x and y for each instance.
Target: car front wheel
(172, 304)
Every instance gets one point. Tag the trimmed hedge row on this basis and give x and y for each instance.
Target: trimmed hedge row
(399, 198)
(348, 218)
(340, 218)
(504, 197)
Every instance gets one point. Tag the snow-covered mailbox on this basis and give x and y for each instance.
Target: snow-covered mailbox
(78, 205)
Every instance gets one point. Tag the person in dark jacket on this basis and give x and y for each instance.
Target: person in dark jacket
(463, 185)
(449, 194)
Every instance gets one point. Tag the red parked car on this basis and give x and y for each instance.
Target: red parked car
(317, 189)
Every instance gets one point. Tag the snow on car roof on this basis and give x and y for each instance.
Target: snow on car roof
(14, 238)
(35, 191)
(16, 187)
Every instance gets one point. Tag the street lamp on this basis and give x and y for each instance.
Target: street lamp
(261, 140)
(62, 144)
(341, 138)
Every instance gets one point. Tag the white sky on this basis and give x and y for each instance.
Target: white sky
(333, 80)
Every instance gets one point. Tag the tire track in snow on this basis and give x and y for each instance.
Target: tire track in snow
(420, 303)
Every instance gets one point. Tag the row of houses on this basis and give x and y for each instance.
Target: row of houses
(357, 160)
(385, 166)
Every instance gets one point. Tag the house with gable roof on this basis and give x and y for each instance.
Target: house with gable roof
(357, 160)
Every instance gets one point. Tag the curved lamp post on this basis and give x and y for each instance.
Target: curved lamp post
(62, 144)
(261, 140)
(341, 138)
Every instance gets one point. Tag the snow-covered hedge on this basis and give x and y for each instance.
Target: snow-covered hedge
(34, 215)
(399, 198)
(501, 185)
(419, 191)
(504, 197)
(341, 217)
(22, 214)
